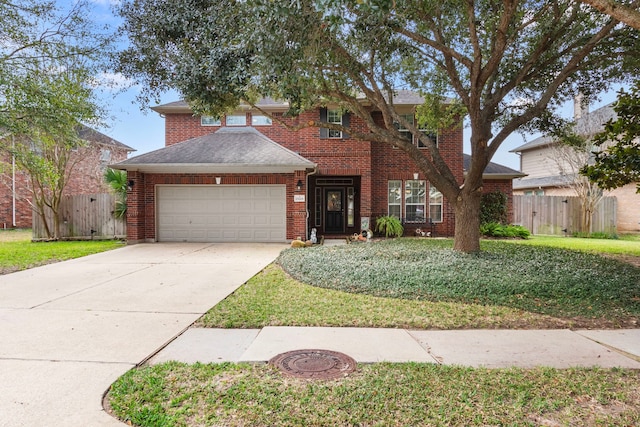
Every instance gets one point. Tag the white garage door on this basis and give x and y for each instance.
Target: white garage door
(221, 213)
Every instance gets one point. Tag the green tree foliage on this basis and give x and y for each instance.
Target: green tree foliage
(507, 64)
(117, 181)
(49, 58)
(493, 208)
(618, 163)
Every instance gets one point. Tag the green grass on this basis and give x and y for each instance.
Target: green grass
(259, 303)
(17, 252)
(624, 245)
(411, 394)
(536, 279)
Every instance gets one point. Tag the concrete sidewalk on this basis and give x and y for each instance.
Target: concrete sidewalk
(69, 330)
(477, 348)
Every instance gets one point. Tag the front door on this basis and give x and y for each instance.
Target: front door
(334, 211)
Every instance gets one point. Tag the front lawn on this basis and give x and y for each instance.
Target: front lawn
(383, 394)
(409, 283)
(18, 252)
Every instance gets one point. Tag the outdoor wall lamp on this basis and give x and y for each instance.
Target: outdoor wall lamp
(299, 185)
(130, 185)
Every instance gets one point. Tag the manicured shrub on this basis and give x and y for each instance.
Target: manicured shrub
(494, 229)
(493, 208)
(389, 225)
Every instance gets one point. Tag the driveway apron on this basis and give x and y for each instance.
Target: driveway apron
(68, 330)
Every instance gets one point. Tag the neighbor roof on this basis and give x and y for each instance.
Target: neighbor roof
(493, 170)
(587, 125)
(241, 150)
(542, 182)
(92, 135)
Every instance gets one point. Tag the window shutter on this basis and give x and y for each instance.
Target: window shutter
(324, 132)
(346, 121)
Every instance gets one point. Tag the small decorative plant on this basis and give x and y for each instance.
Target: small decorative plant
(389, 225)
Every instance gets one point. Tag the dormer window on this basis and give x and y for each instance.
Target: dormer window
(209, 121)
(260, 120)
(236, 120)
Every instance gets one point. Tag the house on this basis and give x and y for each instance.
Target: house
(546, 174)
(90, 162)
(246, 177)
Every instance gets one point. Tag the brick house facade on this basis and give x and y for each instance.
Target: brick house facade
(344, 186)
(86, 177)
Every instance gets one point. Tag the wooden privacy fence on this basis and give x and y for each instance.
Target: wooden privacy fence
(562, 215)
(84, 217)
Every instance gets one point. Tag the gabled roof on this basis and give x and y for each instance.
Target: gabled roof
(183, 107)
(228, 150)
(587, 125)
(91, 135)
(400, 97)
(493, 170)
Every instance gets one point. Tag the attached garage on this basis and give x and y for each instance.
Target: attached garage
(221, 213)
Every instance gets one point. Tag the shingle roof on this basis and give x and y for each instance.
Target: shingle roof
(493, 170)
(92, 135)
(589, 124)
(183, 106)
(230, 149)
(542, 182)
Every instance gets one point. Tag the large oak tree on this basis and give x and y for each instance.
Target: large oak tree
(507, 64)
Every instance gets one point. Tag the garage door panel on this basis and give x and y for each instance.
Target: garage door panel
(204, 213)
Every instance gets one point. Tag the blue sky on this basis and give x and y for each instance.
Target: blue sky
(142, 129)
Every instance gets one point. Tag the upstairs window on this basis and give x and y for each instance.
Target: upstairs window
(210, 121)
(260, 120)
(403, 130)
(237, 120)
(432, 134)
(337, 117)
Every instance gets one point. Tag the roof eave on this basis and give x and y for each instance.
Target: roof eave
(212, 168)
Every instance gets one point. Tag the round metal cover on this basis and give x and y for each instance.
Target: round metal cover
(314, 364)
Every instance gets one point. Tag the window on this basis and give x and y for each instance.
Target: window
(334, 116)
(351, 217)
(395, 198)
(403, 130)
(318, 207)
(435, 204)
(237, 120)
(415, 197)
(105, 155)
(209, 121)
(260, 120)
(432, 134)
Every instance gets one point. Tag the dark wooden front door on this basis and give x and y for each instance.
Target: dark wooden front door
(334, 211)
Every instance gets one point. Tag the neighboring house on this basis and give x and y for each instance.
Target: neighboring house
(539, 161)
(246, 178)
(86, 177)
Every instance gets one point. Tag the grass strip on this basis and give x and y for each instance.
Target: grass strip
(21, 255)
(271, 298)
(175, 394)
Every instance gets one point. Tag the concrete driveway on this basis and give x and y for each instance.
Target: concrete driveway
(68, 330)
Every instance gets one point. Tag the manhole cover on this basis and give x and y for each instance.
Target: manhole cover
(314, 364)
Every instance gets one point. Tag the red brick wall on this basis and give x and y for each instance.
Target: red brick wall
(86, 177)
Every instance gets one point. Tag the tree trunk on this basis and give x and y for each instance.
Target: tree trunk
(467, 229)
